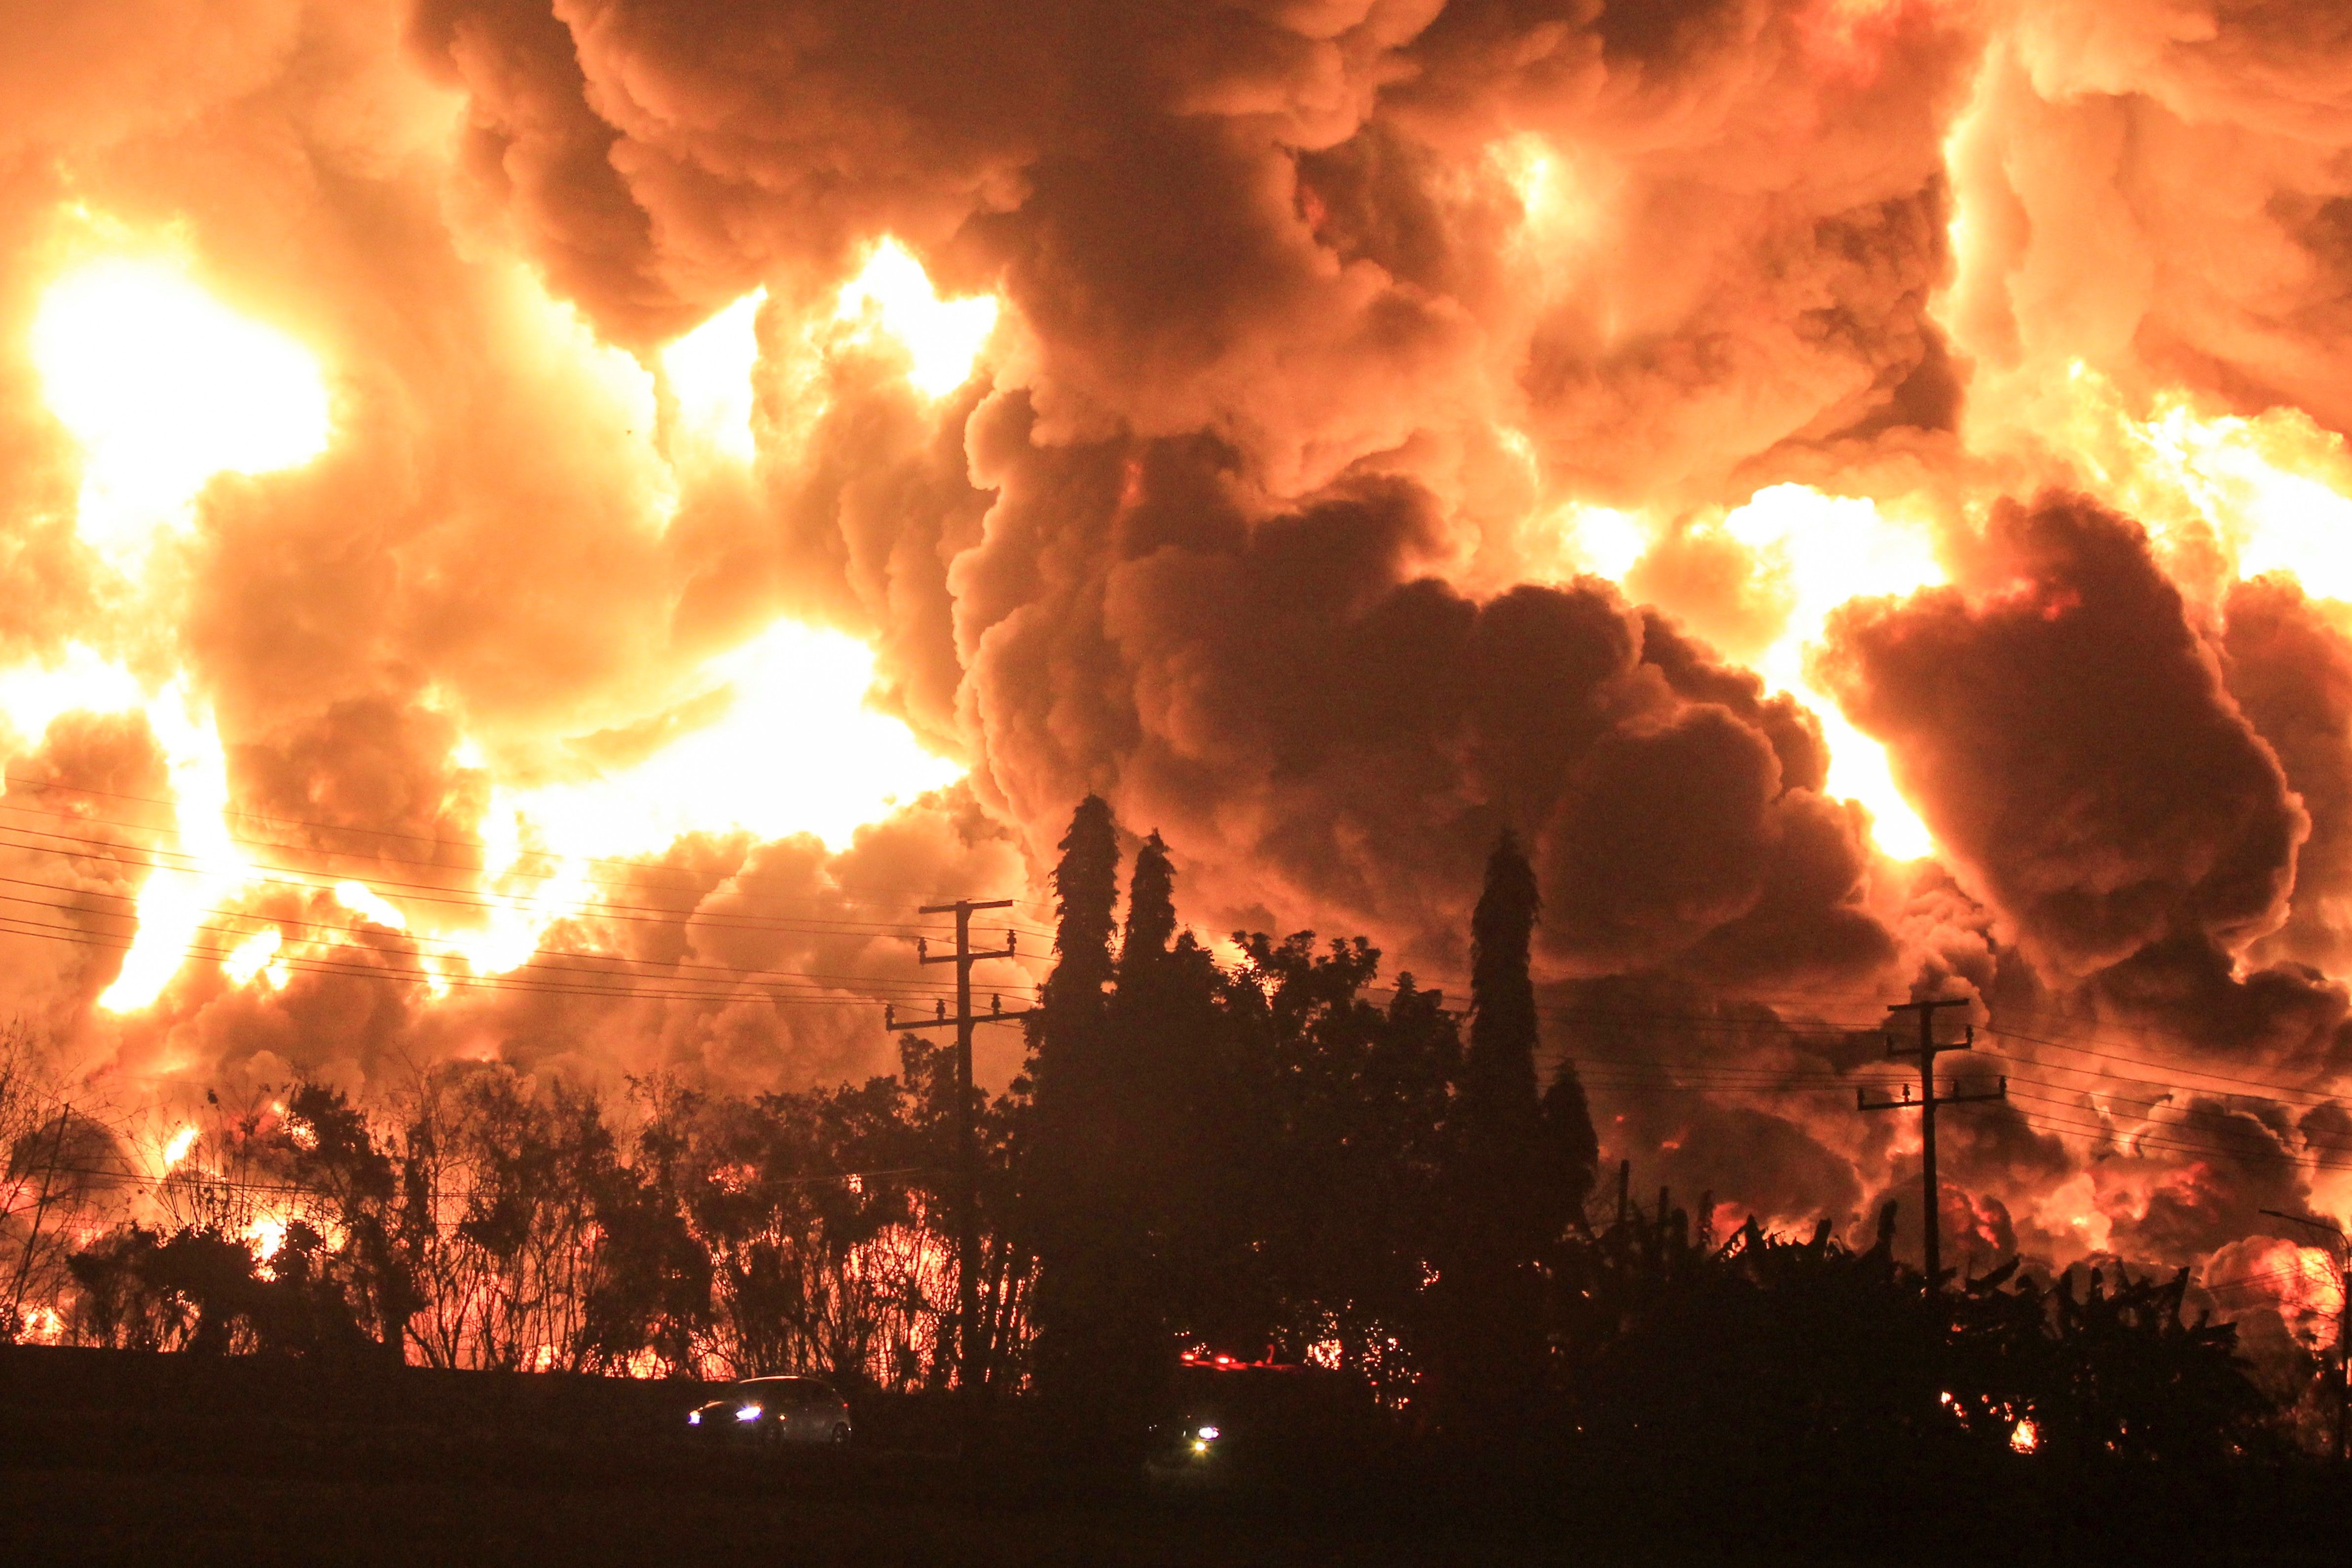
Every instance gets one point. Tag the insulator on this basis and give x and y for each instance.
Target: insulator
(1012, 944)
(995, 1003)
(889, 1018)
(943, 1010)
(922, 947)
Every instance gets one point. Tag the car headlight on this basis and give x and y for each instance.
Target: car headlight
(1208, 1434)
(749, 1413)
(694, 1417)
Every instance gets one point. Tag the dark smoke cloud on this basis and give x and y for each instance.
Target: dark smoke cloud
(1292, 696)
(2067, 736)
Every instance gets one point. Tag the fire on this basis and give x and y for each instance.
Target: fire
(178, 897)
(1601, 540)
(177, 1149)
(709, 370)
(1815, 552)
(2269, 493)
(942, 338)
(368, 904)
(253, 958)
(796, 750)
(266, 1235)
(164, 387)
(2025, 1436)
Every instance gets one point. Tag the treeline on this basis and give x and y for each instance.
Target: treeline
(1275, 1157)
(480, 1220)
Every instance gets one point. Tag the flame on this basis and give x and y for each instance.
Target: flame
(267, 1236)
(942, 338)
(177, 1149)
(1814, 552)
(1601, 540)
(208, 868)
(710, 368)
(2269, 493)
(796, 750)
(164, 387)
(2025, 1436)
(366, 903)
(253, 957)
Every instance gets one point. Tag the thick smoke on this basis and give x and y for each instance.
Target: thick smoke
(2068, 737)
(1336, 337)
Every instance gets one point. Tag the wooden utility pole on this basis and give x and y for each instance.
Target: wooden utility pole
(971, 1369)
(1926, 1050)
(2340, 1249)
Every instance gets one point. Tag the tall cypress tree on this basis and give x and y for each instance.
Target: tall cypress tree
(1094, 1334)
(1151, 911)
(1498, 1106)
(1086, 885)
(1505, 1198)
(1177, 1163)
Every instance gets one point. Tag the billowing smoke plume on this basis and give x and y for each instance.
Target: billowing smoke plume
(1857, 485)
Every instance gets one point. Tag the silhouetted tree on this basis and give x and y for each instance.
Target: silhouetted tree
(324, 1146)
(1517, 1175)
(1340, 1172)
(1101, 1334)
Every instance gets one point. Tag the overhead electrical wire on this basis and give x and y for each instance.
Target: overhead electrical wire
(624, 863)
(435, 892)
(2268, 1085)
(13, 925)
(200, 1178)
(153, 857)
(264, 922)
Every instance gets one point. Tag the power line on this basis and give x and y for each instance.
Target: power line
(2268, 1085)
(212, 1181)
(624, 863)
(640, 914)
(451, 946)
(2235, 1121)
(12, 926)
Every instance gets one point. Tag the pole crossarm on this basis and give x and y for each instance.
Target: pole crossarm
(1927, 1050)
(898, 1025)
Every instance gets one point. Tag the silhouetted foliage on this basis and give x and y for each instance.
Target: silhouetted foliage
(1259, 1159)
(1518, 1168)
(1686, 1350)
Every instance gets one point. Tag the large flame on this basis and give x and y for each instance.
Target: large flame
(1817, 552)
(164, 387)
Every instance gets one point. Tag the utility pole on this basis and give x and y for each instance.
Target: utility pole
(1926, 1050)
(2340, 1249)
(970, 1372)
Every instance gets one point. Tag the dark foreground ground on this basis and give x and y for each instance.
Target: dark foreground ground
(112, 1458)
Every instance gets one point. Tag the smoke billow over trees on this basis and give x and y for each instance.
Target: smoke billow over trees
(1269, 1155)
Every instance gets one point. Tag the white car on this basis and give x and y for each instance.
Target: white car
(775, 1411)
